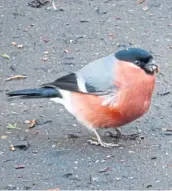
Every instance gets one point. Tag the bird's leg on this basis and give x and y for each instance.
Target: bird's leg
(100, 142)
(119, 135)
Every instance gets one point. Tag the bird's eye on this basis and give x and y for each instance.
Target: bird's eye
(137, 62)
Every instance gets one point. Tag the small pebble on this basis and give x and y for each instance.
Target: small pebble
(131, 151)
(117, 178)
(153, 158)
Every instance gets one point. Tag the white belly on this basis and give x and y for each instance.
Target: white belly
(65, 101)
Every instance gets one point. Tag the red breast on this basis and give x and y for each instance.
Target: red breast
(132, 99)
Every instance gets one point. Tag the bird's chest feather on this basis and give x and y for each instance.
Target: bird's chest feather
(134, 101)
(135, 93)
(129, 103)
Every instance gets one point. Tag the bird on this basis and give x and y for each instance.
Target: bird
(109, 92)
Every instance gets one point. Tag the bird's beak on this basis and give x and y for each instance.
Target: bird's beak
(152, 67)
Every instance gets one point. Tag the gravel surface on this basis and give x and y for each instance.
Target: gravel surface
(48, 44)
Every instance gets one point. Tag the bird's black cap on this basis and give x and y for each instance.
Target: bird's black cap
(133, 55)
(140, 57)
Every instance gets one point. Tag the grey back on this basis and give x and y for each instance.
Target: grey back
(98, 75)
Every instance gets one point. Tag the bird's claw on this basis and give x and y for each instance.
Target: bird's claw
(103, 144)
(122, 136)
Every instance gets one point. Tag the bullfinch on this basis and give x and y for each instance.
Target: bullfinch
(107, 93)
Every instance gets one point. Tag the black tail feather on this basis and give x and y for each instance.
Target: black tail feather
(44, 92)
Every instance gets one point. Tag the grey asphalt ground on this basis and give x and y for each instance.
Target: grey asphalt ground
(77, 33)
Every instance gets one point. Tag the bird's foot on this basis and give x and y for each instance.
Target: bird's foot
(119, 135)
(99, 141)
(103, 144)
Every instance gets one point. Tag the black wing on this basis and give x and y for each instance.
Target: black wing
(68, 82)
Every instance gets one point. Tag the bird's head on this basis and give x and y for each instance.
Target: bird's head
(140, 58)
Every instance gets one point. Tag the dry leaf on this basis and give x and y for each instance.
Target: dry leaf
(31, 123)
(66, 51)
(105, 169)
(10, 126)
(4, 137)
(167, 129)
(19, 166)
(139, 1)
(45, 59)
(145, 8)
(55, 189)
(14, 43)
(16, 77)
(20, 46)
(5, 56)
(12, 148)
